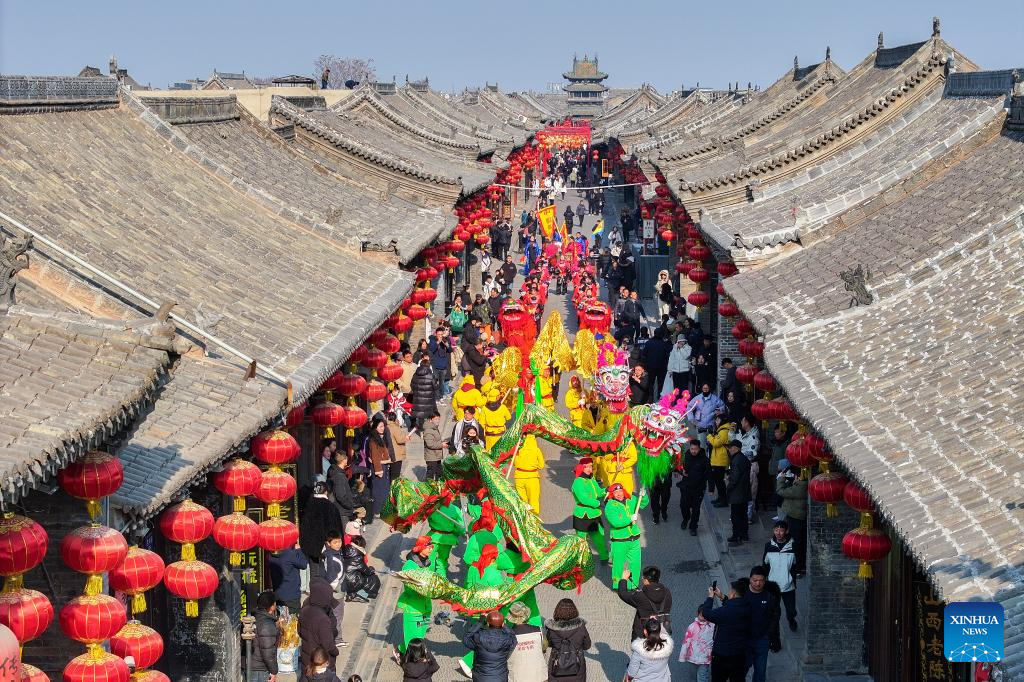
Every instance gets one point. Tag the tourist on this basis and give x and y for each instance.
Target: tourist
(694, 476)
(337, 482)
(459, 431)
(325, 77)
(507, 273)
(569, 216)
(433, 447)
(319, 518)
(422, 350)
(334, 569)
(360, 582)
(651, 600)
(793, 491)
(718, 440)
(263, 661)
(439, 350)
(529, 462)
(729, 381)
(663, 293)
(732, 629)
(621, 513)
(581, 210)
(476, 362)
(780, 558)
(399, 439)
(703, 372)
(414, 607)
(586, 515)
(679, 365)
(409, 367)
(568, 639)
(379, 451)
(286, 569)
(639, 386)
(527, 663)
(457, 318)
(321, 667)
(735, 407)
(695, 651)
(655, 360)
(418, 664)
(648, 660)
(778, 441)
(765, 610)
(738, 492)
(751, 440)
(702, 410)
(491, 647)
(423, 402)
(318, 627)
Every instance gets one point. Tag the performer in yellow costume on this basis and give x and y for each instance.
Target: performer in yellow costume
(619, 468)
(547, 396)
(528, 464)
(578, 401)
(467, 395)
(493, 417)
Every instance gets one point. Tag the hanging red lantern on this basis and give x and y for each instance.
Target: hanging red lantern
(728, 309)
(149, 676)
(374, 360)
(390, 344)
(23, 544)
(30, 673)
(376, 336)
(456, 245)
(827, 488)
(751, 348)
(92, 619)
(93, 550)
(353, 418)
(742, 330)
(422, 275)
(727, 269)
(783, 410)
(275, 488)
(699, 252)
(186, 523)
(417, 312)
(276, 535)
(668, 235)
(26, 612)
(795, 451)
(432, 272)
(332, 382)
(96, 665)
(141, 642)
(858, 499)
(191, 581)
(763, 381)
(762, 410)
(275, 447)
(681, 267)
(462, 235)
(452, 262)
(866, 545)
(482, 239)
(296, 416)
(745, 374)
(359, 353)
(815, 445)
(390, 372)
(428, 295)
(720, 288)
(237, 479)
(375, 391)
(401, 324)
(352, 385)
(698, 298)
(92, 477)
(236, 533)
(698, 274)
(693, 232)
(326, 416)
(140, 571)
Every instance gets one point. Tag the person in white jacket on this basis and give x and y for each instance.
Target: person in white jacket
(780, 558)
(679, 364)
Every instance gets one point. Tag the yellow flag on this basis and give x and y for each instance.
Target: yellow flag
(546, 217)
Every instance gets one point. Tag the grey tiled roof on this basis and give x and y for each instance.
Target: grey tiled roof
(919, 396)
(251, 152)
(68, 383)
(473, 120)
(204, 412)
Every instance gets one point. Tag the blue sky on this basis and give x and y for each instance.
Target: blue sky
(521, 45)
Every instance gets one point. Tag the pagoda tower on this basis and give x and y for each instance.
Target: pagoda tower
(585, 89)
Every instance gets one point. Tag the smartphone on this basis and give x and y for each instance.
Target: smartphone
(714, 584)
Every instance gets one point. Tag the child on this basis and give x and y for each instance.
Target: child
(696, 649)
(319, 668)
(418, 665)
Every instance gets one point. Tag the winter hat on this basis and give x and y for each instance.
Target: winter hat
(518, 613)
(584, 461)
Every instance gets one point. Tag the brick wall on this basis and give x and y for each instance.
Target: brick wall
(836, 617)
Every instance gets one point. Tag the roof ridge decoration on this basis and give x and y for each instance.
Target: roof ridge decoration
(184, 110)
(476, 131)
(13, 259)
(769, 118)
(373, 99)
(305, 121)
(824, 140)
(43, 94)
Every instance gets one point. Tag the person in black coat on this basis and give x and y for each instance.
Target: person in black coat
(341, 491)
(692, 482)
(418, 664)
(264, 651)
(732, 630)
(566, 631)
(491, 644)
(765, 600)
(655, 359)
(317, 625)
(358, 575)
(320, 518)
(423, 402)
(639, 386)
(651, 600)
(476, 361)
(285, 578)
(738, 491)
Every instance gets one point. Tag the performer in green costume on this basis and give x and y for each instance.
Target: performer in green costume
(446, 528)
(586, 515)
(511, 560)
(483, 574)
(621, 511)
(414, 606)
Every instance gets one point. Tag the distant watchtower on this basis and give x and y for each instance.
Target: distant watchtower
(585, 90)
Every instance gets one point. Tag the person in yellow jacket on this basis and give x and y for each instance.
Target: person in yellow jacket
(718, 441)
(528, 464)
(577, 400)
(467, 395)
(547, 395)
(493, 416)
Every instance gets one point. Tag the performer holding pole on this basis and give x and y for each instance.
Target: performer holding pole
(586, 516)
(622, 515)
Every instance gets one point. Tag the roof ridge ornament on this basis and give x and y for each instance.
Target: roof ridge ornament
(13, 259)
(881, 40)
(796, 62)
(828, 53)
(936, 27)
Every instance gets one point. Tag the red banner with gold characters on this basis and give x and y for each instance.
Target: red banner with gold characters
(565, 135)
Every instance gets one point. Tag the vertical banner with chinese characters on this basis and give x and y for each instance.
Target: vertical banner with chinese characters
(932, 665)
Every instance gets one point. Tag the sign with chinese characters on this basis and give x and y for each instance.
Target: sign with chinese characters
(648, 228)
(253, 568)
(932, 665)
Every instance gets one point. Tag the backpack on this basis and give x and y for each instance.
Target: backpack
(566, 661)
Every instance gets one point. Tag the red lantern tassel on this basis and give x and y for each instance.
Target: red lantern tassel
(866, 520)
(188, 552)
(93, 584)
(274, 510)
(865, 570)
(831, 511)
(138, 603)
(192, 608)
(94, 508)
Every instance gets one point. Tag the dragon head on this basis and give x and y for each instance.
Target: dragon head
(661, 426)
(612, 378)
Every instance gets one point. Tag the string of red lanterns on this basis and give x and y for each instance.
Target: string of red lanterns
(188, 523)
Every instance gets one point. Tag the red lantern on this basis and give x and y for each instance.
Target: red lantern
(698, 274)
(332, 382)
(762, 409)
(26, 612)
(359, 353)
(327, 415)
(375, 391)
(456, 245)
(186, 523)
(795, 451)
(742, 330)
(275, 447)
(374, 360)
(827, 488)
(866, 545)
(745, 374)
(390, 344)
(728, 309)
(236, 533)
(142, 643)
(92, 619)
(352, 385)
(140, 571)
(390, 372)
(191, 581)
(276, 535)
(685, 267)
(783, 410)
(751, 348)
(698, 298)
(91, 478)
(353, 418)
(93, 550)
(296, 416)
(30, 673)
(482, 239)
(23, 545)
(402, 323)
(417, 312)
(815, 446)
(150, 676)
(699, 252)
(452, 262)
(237, 479)
(462, 234)
(426, 296)
(727, 269)
(422, 275)
(275, 488)
(858, 499)
(668, 235)
(763, 381)
(96, 666)
(720, 288)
